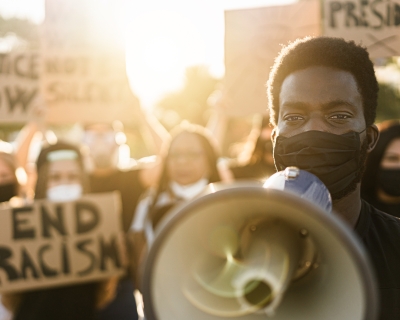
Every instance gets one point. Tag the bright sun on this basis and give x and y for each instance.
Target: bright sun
(160, 45)
(162, 38)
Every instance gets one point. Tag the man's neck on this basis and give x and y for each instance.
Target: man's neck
(349, 207)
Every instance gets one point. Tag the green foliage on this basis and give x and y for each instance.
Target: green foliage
(190, 103)
(388, 102)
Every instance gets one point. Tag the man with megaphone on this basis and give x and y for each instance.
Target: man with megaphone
(322, 100)
(250, 252)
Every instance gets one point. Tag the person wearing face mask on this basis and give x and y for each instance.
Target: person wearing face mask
(189, 165)
(61, 178)
(60, 173)
(380, 184)
(322, 96)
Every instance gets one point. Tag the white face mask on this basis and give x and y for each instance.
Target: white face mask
(189, 191)
(65, 192)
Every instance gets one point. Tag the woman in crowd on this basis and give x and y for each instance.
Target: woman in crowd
(189, 164)
(380, 185)
(61, 178)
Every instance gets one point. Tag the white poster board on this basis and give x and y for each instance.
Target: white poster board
(374, 24)
(53, 244)
(253, 38)
(19, 85)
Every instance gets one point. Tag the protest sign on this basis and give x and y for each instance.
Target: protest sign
(19, 85)
(83, 76)
(86, 87)
(52, 244)
(253, 38)
(373, 23)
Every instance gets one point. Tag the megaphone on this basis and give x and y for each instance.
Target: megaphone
(249, 251)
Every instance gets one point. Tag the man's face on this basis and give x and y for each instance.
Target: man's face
(322, 99)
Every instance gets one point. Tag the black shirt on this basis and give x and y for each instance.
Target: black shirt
(392, 209)
(127, 183)
(380, 234)
(62, 303)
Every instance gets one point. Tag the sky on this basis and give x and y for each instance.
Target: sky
(162, 38)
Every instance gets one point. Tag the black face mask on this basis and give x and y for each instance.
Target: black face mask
(389, 181)
(7, 191)
(334, 159)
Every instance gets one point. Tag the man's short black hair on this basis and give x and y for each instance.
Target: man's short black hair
(336, 53)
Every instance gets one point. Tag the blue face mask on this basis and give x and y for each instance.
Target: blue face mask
(334, 159)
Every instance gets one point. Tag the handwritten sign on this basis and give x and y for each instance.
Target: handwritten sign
(253, 38)
(19, 85)
(86, 87)
(83, 76)
(49, 244)
(373, 23)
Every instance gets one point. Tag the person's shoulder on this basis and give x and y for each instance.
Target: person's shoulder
(383, 219)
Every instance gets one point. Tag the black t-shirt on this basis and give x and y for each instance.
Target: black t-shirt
(392, 209)
(380, 234)
(128, 184)
(62, 303)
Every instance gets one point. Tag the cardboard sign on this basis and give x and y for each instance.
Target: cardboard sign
(83, 75)
(253, 38)
(373, 23)
(53, 244)
(19, 85)
(86, 87)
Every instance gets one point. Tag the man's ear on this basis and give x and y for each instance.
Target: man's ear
(372, 137)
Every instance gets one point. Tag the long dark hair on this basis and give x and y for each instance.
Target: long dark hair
(11, 162)
(42, 167)
(389, 130)
(210, 149)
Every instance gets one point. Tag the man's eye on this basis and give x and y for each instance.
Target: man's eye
(293, 118)
(339, 117)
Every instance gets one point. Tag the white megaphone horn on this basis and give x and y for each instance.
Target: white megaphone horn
(248, 251)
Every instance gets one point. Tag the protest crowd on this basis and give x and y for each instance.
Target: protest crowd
(81, 208)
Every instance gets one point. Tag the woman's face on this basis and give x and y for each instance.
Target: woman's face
(63, 172)
(187, 160)
(6, 174)
(391, 157)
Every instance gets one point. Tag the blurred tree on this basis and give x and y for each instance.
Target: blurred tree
(190, 103)
(388, 102)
